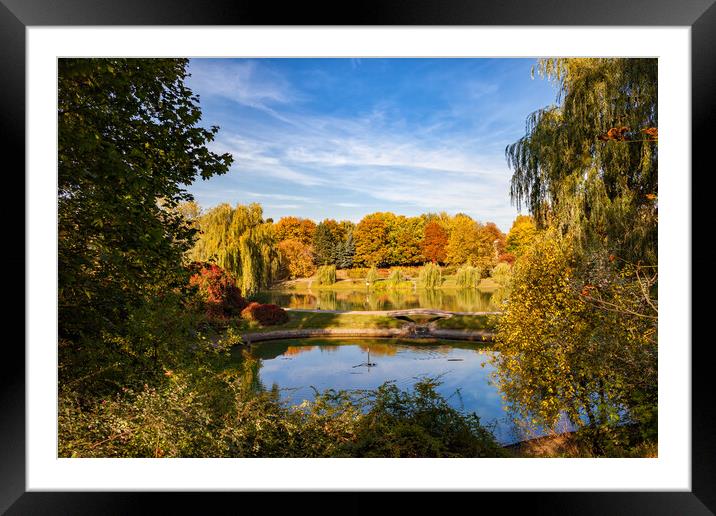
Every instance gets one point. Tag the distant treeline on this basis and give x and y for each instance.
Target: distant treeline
(261, 251)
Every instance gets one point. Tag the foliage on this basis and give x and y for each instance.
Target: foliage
(507, 258)
(296, 259)
(559, 352)
(469, 243)
(294, 228)
(325, 242)
(240, 241)
(601, 191)
(326, 275)
(265, 314)
(502, 273)
(404, 239)
(468, 277)
(417, 424)
(430, 276)
(345, 251)
(434, 242)
(218, 290)
(372, 276)
(371, 235)
(128, 143)
(394, 279)
(521, 234)
(220, 415)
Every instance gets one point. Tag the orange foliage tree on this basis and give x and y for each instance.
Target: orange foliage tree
(434, 241)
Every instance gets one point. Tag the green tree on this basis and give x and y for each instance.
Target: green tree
(589, 164)
(129, 142)
(346, 251)
(430, 276)
(405, 237)
(240, 241)
(326, 240)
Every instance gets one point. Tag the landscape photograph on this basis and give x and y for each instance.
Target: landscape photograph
(357, 257)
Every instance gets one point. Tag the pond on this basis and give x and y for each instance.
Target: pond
(298, 366)
(454, 300)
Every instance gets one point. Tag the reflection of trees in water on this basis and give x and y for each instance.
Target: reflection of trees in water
(327, 300)
(461, 300)
(379, 350)
(431, 298)
(297, 350)
(250, 380)
(471, 300)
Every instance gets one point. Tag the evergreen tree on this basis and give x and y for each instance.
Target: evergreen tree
(325, 244)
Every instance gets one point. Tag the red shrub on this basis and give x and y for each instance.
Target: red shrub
(218, 290)
(507, 258)
(266, 315)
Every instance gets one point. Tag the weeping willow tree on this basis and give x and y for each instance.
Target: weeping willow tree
(578, 334)
(589, 164)
(240, 241)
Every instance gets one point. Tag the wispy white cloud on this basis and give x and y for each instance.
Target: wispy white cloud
(452, 160)
(248, 83)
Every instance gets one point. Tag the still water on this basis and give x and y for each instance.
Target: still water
(454, 300)
(298, 366)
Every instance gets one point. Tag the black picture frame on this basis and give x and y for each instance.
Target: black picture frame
(16, 15)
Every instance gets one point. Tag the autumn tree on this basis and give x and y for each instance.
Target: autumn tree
(497, 238)
(129, 142)
(521, 234)
(434, 242)
(405, 236)
(296, 259)
(467, 243)
(295, 228)
(560, 353)
(371, 235)
(579, 331)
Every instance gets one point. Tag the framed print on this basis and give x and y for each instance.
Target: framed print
(441, 272)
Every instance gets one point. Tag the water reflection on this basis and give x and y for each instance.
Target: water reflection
(455, 300)
(298, 366)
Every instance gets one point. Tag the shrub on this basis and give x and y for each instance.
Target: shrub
(358, 273)
(394, 279)
(372, 275)
(326, 275)
(265, 315)
(502, 273)
(430, 276)
(468, 277)
(217, 290)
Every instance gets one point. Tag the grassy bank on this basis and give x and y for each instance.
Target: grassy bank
(468, 322)
(322, 320)
(327, 320)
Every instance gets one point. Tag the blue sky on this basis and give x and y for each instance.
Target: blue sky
(341, 138)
